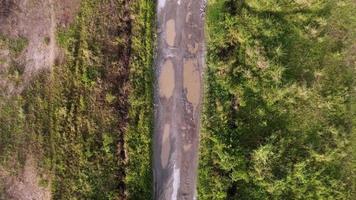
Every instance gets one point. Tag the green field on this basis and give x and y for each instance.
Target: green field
(279, 91)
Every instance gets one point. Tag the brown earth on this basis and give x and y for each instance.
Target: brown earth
(35, 21)
(25, 186)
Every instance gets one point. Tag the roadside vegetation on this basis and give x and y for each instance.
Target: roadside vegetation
(88, 120)
(279, 107)
(140, 129)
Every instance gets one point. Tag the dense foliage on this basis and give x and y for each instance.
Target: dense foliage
(279, 103)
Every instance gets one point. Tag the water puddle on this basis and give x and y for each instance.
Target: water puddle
(176, 182)
(191, 77)
(166, 145)
(166, 80)
(170, 32)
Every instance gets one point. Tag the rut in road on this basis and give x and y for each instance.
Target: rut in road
(178, 94)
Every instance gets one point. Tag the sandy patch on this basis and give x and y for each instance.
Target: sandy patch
(35, 21)
(26, 186)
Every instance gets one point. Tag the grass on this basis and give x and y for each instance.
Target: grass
(15, 45)
(139, 135)
(276, 121)
(89, 121)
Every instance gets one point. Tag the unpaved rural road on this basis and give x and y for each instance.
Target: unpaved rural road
(178, 94)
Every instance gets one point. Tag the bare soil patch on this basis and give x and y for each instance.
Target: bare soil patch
(26, 185)
(35, 21)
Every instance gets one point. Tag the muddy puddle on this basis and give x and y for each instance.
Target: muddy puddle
(166, 80)
(171, 32)
(166, 145)
(191, 81)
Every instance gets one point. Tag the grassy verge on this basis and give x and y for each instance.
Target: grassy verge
(277, 118)
(89, 120)
(139, 134)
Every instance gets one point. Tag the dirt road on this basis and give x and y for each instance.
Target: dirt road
(178, 91)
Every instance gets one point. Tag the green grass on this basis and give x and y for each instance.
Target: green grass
(15, 45)
(139, 135)
(74, 118)
(276, 111)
